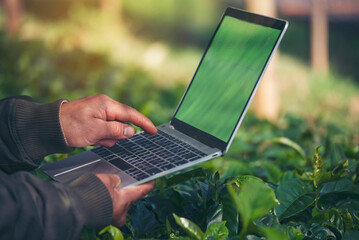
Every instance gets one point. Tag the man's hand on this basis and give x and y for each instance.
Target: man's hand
(99, 120)
(123, 198)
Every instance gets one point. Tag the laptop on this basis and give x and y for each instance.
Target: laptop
(208, 115)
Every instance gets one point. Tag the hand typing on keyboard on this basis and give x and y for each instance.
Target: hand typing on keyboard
(123, 198)
(99, 120)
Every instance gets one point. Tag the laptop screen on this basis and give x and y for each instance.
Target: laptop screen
(226, 77)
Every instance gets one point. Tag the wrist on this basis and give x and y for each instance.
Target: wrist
(60, 120)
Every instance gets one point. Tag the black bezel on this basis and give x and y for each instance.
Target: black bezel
(199, 134)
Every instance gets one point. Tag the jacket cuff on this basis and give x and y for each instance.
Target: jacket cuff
(95, 199)
(39, 129)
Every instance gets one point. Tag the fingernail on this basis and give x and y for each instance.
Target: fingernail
(129, 131)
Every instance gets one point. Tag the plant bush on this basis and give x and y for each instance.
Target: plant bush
(267, 187)
(276, 182)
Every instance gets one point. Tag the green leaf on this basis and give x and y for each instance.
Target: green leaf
(341, 186)
(336, 154)
(89, 234)
(330, 217)
(272, 171)
(230, 215)
(339, 172)
(217, 231)
(317, 167)
(142, 218)
(320, 232)
(168, 227)
(216, 177)
(214, 214)
(189, 227)
(239, 181)
(294, 196)
(290, 143)
(341, 169)
(294, 233)
(182, 177)
(350, 235)
(254, 199)
(273, 234)
(348, 220)
(110, 233)
(254, 237)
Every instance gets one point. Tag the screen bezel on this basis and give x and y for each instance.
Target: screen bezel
(207, 138)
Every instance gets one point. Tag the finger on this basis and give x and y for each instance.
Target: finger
(116, 130)
(111, 181)
(122, 112)
(120, 221)
(106, 142)
(138, 192)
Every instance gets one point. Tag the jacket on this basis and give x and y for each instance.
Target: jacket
(31, 208)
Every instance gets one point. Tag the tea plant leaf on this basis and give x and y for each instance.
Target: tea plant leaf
(110, 233)
(330, 217)
(267, 221)
(294, 196)
(340, 202)
(348, 220)
(142, 218)
(272, 171)
(189, 227)
(217, 231)
(254, 237)
(320, 232)
(214, 214)
(239, 181)
(230, 215)
(290, 143)
(273, 234)
(294, 233)
(254, 199)
(350, 235)
(168, 227)
(317, 167)
(341, 186)
(336, 154)
(89, 234)
(182, 177)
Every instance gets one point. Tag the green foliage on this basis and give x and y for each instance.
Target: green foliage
(226, 197)
(254, 199)
(190, 228)
(110, 233)
(294, 196)
(317, 167)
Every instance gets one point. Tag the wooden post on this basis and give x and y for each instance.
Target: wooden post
(112, 7)
(266, 102)
(13, 13)
(319, 36)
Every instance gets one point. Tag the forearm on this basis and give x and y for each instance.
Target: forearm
(49, 210)
(28, 132)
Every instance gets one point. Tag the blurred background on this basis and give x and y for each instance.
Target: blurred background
(144, 53)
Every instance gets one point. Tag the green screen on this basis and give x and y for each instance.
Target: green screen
(226, 77)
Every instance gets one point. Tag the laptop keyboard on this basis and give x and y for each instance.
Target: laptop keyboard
(145, 155)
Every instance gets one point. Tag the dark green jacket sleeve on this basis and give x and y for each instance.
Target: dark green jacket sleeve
(32, 208)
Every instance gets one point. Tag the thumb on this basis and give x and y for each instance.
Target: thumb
(118, 130)
(111, 181)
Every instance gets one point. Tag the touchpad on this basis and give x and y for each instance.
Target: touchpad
(97, 166)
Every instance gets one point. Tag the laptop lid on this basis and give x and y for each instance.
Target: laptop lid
(216, 100)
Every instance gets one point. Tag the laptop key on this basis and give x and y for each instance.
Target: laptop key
(121, 164)
(167, 166)
(141, 176)
(153, 171)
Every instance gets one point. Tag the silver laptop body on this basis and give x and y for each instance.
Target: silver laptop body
(208, 115)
